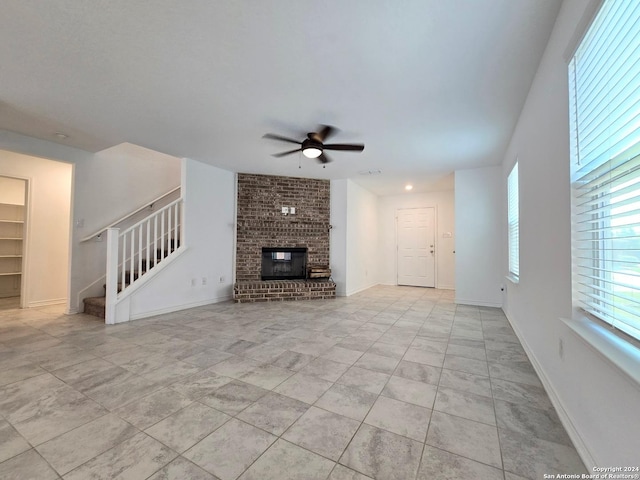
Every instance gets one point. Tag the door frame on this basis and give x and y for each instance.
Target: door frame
(435, 242)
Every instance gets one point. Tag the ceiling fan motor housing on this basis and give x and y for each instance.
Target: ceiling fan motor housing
(310, 143)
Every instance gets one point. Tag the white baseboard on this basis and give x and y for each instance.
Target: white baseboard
(358, 290)
(476, 303)
(46, 303)
(565, 419)
(446, 287)
(184, 306)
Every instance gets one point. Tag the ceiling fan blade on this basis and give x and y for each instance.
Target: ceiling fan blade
(325, 132)
(344, 146)
(273, 136)
(278, 155)
(324, 159)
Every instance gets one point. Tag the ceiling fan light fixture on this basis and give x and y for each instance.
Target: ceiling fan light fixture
(312, 152)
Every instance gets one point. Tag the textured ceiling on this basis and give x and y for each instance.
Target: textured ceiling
(429, 86)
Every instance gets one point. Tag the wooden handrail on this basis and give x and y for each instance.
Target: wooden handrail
(97, 233)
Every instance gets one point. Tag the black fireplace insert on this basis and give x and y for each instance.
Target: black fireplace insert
(284, 263)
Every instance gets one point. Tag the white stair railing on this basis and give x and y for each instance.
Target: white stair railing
(125, 218)
(138, 250)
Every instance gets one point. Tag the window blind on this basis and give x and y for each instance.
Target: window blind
(513, 221)
(604, 87)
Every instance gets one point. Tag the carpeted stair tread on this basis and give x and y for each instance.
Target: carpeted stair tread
(98, 301)
(95, 306)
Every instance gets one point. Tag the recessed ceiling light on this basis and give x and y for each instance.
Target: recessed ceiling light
(408, 187)
(61, 135)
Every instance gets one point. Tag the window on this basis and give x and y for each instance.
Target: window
(513, 221)
(604, 84)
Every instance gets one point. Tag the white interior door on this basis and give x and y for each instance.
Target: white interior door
(416, 247)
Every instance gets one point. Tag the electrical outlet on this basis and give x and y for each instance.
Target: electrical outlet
(204, 280)
(292, 210)
(193, 282)
(221, 279)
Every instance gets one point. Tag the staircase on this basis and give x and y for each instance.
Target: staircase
(96, 306)
(134, 255)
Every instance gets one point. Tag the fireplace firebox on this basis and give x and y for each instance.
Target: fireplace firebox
(284, 263)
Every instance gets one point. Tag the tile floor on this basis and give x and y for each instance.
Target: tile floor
(392, 383)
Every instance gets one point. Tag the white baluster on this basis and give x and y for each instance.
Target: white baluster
(169, 232)
(131, 258)
(123, 262)
(182, 221)
(176, 237)
(148, 255)
(162, 236)
(139, 252)
(155, 238)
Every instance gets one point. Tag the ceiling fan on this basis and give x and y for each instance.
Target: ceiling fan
(313, 146)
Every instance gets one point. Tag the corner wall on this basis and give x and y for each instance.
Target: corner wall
(598, 404)
(362, 239)
(354, 237)
(104, 187)
(48, 214)
(109, 185)
(338, 236)
(479, 199)
(203, 273)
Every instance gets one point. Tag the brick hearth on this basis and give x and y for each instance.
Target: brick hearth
(280, 290)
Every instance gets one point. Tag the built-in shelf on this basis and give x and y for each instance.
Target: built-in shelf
(11, 232)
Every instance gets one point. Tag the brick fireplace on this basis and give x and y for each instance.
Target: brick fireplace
(261, 224)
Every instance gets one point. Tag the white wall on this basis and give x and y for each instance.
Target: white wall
(46, 245)
(479, 200)
(354, 237)
(362, 239)
(209, 196)
(12, 191)
(598, 404)
(338, 236)
(388, 206)
(108, 186)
